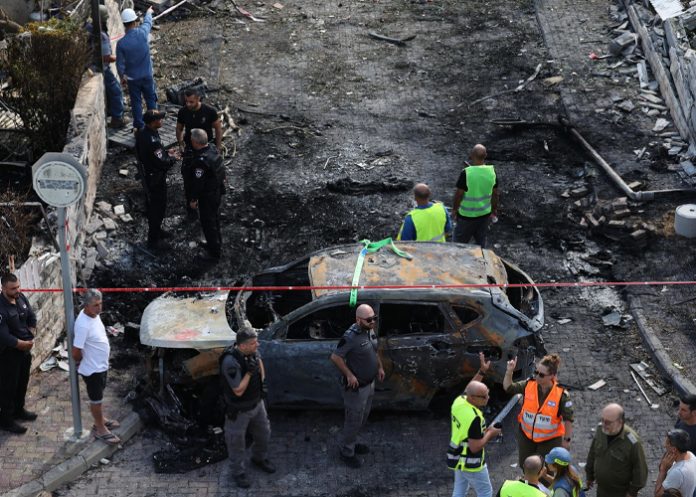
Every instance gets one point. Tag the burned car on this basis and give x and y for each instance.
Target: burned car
(437, 310)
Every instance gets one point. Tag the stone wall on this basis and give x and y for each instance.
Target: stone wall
(86, 142)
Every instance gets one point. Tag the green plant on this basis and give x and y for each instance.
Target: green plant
(45, 64)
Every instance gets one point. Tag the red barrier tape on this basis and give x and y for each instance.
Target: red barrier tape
(579, 284)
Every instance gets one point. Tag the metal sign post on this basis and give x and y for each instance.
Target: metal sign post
(59, 180)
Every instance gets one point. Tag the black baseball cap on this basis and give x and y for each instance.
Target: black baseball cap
(153, 115)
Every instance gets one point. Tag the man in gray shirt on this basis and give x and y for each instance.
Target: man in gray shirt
(357, 359)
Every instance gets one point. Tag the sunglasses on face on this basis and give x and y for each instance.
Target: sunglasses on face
(371, 319)
(541, 375)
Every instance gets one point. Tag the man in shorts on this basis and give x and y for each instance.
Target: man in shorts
(91, 353)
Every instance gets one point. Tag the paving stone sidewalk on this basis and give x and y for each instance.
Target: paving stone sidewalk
(26, 457)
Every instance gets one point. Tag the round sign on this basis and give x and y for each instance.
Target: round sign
(59, 179)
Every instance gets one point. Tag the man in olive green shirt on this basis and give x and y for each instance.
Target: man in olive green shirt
(616, 460)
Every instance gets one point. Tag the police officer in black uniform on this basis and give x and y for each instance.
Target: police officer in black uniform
(154, 162)
(207, 189)
(195, 114)
(17, 328)
(242, 375)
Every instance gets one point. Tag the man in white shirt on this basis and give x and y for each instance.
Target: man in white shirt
(91, 353)
(678, 465)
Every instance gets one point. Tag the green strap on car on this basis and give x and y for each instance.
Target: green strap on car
(370, 247)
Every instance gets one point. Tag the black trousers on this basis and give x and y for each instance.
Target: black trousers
(209, 210)
(156, 208)
(187, 176)
(14, 378)
(476, 227)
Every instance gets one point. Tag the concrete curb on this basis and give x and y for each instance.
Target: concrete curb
(683, 385)
(74, 467)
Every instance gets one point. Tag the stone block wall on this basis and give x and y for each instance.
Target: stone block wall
(86, 142)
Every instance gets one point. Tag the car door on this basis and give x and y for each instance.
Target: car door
(421, 350)
(299, 370)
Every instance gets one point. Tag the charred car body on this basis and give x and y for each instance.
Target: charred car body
(429, 336)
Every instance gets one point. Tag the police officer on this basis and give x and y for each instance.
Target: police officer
(529, 486)
(476, 199)
(154, 162)
(616, 460)
(428, 222)
(243, 376)
(195, 115)
(207, 189)
(17, 328)
(357, 359)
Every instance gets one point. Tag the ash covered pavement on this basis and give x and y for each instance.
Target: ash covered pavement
(335, 128)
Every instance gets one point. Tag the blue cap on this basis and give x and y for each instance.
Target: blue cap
(558, 455)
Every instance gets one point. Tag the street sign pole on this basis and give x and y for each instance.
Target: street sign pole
(60, 180)
(69, 323)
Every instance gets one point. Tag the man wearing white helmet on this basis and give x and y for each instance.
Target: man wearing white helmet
(134, 63)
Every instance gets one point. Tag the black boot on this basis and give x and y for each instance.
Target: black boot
(24, 415)
(12, 426)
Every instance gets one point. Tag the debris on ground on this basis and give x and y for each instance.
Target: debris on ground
(597, 385)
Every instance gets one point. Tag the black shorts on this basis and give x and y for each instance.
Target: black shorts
(96, 382)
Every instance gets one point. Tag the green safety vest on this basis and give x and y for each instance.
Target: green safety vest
(458, 455)
(519, 489)
(429, 223)
(479, 189)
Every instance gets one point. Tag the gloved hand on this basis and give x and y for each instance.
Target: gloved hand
(252, 363)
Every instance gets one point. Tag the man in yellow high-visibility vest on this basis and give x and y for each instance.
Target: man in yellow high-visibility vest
(476, 199)
(428, 222)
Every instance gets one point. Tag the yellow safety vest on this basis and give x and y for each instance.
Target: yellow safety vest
(459, 456)
(429, 223)
(480, 181)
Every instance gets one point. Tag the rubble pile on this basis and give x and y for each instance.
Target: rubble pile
(95, 248)
(619, 220)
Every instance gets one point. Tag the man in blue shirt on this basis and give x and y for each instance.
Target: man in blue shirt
(114, 95)
(134, 63)
(429, 221)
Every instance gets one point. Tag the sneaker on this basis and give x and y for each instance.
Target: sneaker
(25, 415)
(362, 449)
(264, 465)
(242, 481)
(351, 461)
(13, 427)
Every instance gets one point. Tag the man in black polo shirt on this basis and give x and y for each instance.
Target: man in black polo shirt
(195, 115)
(17, 328)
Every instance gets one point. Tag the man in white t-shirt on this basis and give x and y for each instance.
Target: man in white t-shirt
(91, 353)
(678, 465)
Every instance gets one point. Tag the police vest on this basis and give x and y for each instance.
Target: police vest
(252, 394)
(214, 183)
(479, 189)
(429, 223)
(519, 489)
(540, 423)
(459, 456)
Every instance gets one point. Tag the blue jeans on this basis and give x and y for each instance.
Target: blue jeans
(478, 479)
(137, 89)
(114, 95)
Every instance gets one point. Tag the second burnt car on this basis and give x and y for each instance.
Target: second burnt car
(430, 327)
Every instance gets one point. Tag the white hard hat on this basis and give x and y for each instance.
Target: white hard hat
(128, 15)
